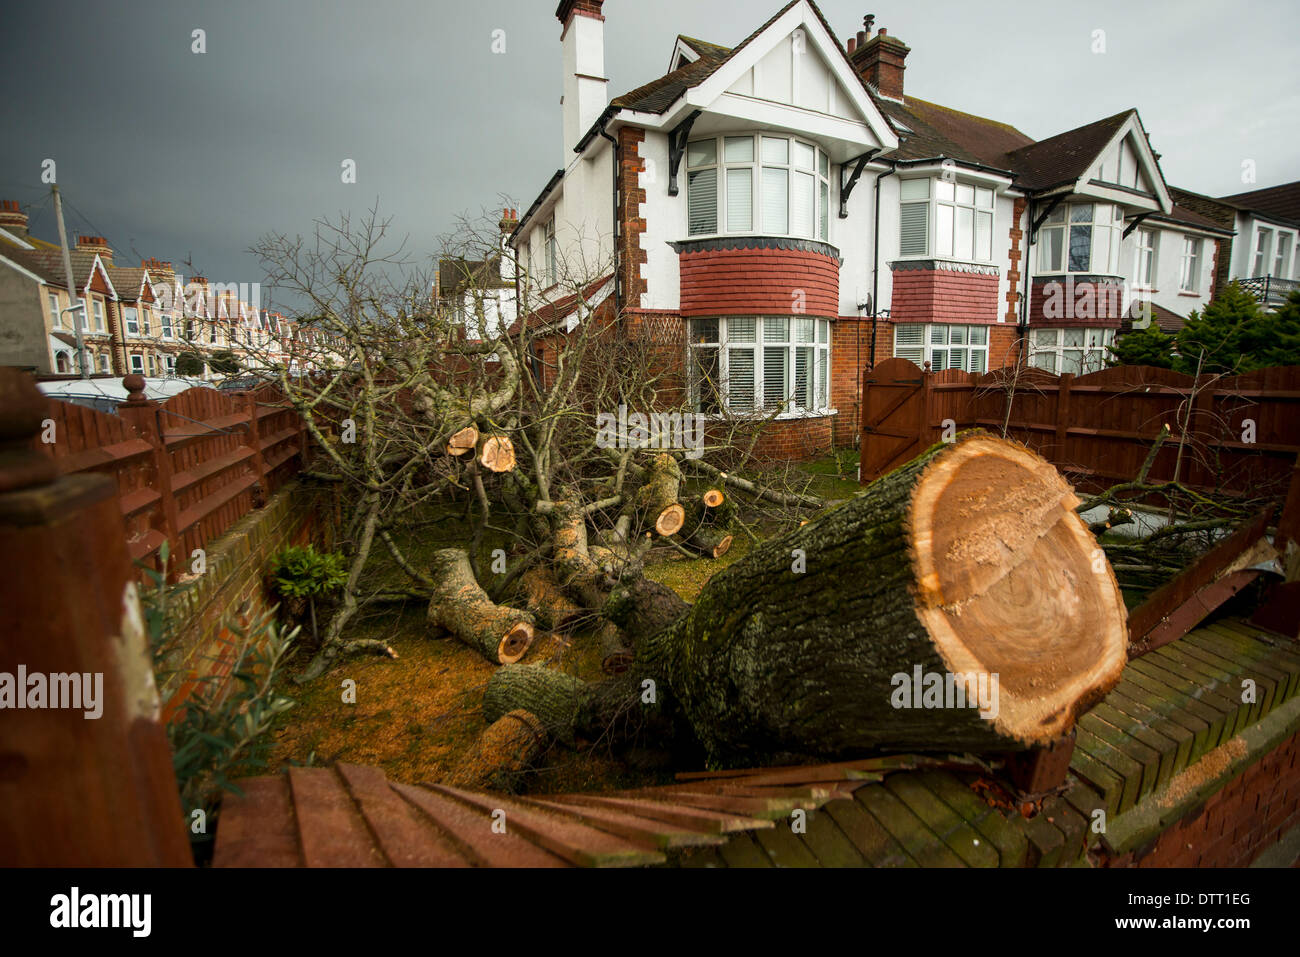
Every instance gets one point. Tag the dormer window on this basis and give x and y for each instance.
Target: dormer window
(945, 218)
(1080, 237)
(769, 185)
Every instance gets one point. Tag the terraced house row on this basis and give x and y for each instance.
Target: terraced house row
(780, 214)
(138, 319)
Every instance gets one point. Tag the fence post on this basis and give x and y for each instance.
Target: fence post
(254, 442)
(142, 415)
(1062, 415)
(88, 784)
(930, 431)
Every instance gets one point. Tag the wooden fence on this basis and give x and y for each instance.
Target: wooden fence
(186, 469)
(1240, 434)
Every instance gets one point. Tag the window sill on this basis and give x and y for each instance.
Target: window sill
(1193, 295)
(760, 417)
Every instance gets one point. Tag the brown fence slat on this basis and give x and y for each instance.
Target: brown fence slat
(406, 838)
(331, 831)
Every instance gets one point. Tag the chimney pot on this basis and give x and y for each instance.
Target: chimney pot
(884, 32)
(862, 37)
(852, 44)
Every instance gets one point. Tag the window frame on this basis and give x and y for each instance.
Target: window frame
(1282, 244)
(1189, 276)
(1063, 221)
(97, 309)
(759, 346)
(819, 171)
(927, 346)
(131, 320)
(1141, 251)
(552, 266)
(132, 360)
(1263, 252)
(1093, 355)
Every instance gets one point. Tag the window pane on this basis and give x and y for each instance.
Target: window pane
(984, 197)
(1056, 216)
(740, 199)
(776, 187)
(802, 204)
(741, 328)
(1080, 247)
(957, 359)
(914, 189)
(939, 335)
(1044, 360)
(822, 362)
(704, 330)
(984, 236)
(774, 329)
(702, 153)
(705, 379)
(943, 231)
(957, 335)
(909, 334)
(823, 164)
(1073, 337)
(962, 247)
(775, 376)
(823, 331)
(740, 380)
(1072, 361)
(805, 156)
(966, 194)
(803, 379)
(823, 210)
(978, 335)
(1046, 337)
(1081, 213)
(1049, 259)
(776, 150)
(702, 201)
(803, 330)
(1101, 249)
(739, 149)
(943, 189)
(912, 228)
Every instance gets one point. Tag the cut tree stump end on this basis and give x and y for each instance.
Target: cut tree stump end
(515, 644)
(670, 520)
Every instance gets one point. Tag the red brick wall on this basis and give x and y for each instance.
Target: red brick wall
(941, 295)
(631, 223)
(1087, 301)
(1015, 255)
(850, 354)
(728, 282)
(1246, 817)
(795, 440)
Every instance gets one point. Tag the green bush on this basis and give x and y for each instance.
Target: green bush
(220, 730)
(300, 571)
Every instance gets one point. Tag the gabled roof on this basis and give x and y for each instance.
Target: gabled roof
(1167, 320)
(1282, 201)
(704, 48)
(46, 261)
(938, 131)
(1063, 158)
(553, 312)
(1183, 216)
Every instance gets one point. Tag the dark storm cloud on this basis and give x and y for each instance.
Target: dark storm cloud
(173, 154)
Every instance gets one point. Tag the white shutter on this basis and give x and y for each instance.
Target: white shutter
(909, 342)
(912, 222)
(740, 199)
(776, 200)
(776, 388)
(702, 201)
(803, 204)
(740, 380)
(803, 377)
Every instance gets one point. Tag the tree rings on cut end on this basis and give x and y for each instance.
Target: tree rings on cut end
(463, 441)
(670, 520)
(515, 643)
(1011, 582)
(713, 498)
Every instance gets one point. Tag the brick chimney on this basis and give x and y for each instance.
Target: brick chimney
(880, 60)
(582, 48)
(509, 220)
(12, 218)
(96, 244)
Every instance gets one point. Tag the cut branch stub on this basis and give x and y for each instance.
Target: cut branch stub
(497, 453)
(498, 632)
(466, 440)
(670, 520)
(657, 497)
(713, 498)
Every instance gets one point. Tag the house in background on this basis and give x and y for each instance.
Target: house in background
(780, 215)
(480, 294)
(1267, 222)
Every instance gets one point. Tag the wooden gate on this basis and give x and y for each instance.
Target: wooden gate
(895, 416)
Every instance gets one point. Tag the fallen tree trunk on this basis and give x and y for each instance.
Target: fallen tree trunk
(500, 633)
(547, 600)
(507, 749)
(615, 655)
(710, 542)
(958, 603)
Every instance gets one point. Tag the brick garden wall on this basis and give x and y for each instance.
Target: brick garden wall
(232, 590)
(1236, 824)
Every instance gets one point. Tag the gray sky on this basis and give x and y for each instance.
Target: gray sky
(173, 154)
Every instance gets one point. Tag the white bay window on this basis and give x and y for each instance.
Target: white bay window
(773, 185)
(749, 364)
(947, 219)
(1080, 238)
(1076, 351)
